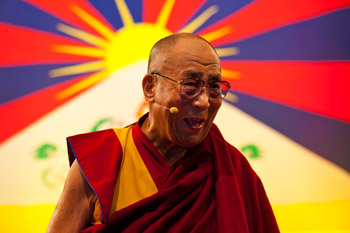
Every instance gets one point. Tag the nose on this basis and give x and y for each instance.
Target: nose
(201, 101)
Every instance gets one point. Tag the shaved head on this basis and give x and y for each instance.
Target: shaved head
(174, 58)
(164, 47)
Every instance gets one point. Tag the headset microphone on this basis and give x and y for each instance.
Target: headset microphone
(172, 110)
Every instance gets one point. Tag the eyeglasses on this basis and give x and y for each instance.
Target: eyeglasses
(191, 87)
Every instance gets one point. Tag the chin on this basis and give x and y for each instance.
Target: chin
(187, 137)
(191, 141)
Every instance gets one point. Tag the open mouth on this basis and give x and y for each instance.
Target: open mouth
(194, 123)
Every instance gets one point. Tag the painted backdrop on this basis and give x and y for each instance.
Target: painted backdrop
(74, 66)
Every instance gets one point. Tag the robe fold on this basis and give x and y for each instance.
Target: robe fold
(212, 189)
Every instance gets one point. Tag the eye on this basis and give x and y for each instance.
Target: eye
(191, 83)
(214, 85)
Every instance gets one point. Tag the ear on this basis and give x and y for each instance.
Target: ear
(148, 86)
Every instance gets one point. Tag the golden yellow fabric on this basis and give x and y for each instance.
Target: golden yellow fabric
(134, 182)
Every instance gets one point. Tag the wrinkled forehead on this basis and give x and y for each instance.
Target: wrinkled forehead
(171, 58)
(193, 50)
(194, 45)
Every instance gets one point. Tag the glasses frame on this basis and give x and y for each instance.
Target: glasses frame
(227, 84)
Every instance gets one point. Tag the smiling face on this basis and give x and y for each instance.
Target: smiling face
(190, 57)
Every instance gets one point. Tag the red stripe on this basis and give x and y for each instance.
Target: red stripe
(62, 10)
(151, 10)
(318, 87)
(23, 46)
(182, 12)
(264, 15)
(20, 113)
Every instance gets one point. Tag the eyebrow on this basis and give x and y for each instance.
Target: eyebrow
(196, 74)
(215, 77)
(193, 73)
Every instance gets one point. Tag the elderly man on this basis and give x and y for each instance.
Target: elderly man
(172, 171)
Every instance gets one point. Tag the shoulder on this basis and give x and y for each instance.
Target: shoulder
(97, 145)
(217, 138)
(96, 135)
(85, 144)
(230, 153)
(99, 136)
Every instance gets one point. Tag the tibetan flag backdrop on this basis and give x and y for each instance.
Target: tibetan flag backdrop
(73, 66)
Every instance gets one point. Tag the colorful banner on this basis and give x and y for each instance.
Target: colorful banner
(74, 66)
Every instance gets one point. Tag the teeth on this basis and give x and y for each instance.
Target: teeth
(195, 123)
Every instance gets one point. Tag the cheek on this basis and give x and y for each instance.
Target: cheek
(214, 108)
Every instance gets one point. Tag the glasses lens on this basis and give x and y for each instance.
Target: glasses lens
(190, 87)
(224, 89)
(215, 90)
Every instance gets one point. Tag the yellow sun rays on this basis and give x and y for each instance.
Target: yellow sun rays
(229, 74)
(86, 83)
(77, 69)
(231, 97)
(93, 22)
(224, 52)
(213, 35)
(101, 45)
(200, 20)
(79, 50)
(82, 35)
(165, 13)
(124, 13)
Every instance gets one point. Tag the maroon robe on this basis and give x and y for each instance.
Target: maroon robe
(212, 189)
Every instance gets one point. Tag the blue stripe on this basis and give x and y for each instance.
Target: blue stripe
(327, 137)
(226, 8)
(18, 81)
(23, 14)
(110, 11)
(323, 38)
(87, 180)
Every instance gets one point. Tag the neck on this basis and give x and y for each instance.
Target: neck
(170, 152)
(173, 155)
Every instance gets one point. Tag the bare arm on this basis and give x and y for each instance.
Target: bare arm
(76, 204)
